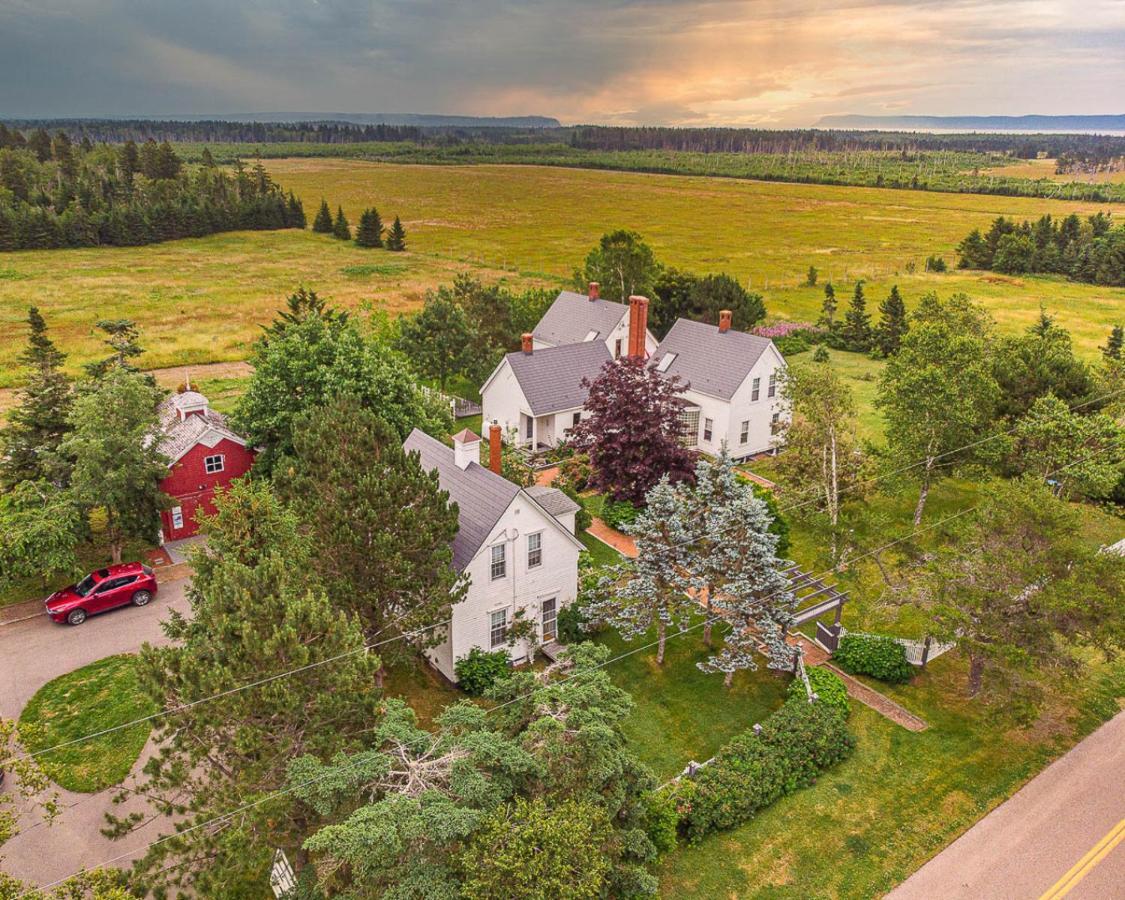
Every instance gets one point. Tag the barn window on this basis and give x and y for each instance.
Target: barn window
(213, 464)
(177, 518)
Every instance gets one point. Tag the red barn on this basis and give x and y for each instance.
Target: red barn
(204, 454)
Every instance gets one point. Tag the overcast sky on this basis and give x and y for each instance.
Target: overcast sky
(683, 62)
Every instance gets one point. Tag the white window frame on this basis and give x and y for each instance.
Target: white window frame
(771, 391)
(755, 388)
(177, 518)
(708, 430)
(554, 633)
(666, 362)
(208, 464)
(744, 432)
(497, 631)
(535, 554)
(498, 567)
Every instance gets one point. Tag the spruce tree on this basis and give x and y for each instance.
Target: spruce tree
(396, 237)
(207, 159)
(1115, 343)
(129, 161)
(322, 224)
(892, 324)
(828, 308)
(37, 426)
(122, 338)
(856, 330)
(370, 230)
(340, 228)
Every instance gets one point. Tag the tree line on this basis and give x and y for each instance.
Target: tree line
(1092, 251)
(54, 193)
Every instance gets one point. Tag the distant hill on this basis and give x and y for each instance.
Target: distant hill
(977, 123)
(419, 120)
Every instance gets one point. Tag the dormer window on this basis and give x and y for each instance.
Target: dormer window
(665, 362)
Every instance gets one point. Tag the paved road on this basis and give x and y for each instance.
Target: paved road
(33, 652)
(1063, 829)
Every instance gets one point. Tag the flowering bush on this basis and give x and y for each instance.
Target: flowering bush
(785, 329)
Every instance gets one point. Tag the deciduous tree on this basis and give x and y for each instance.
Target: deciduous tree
(623, 264)
(437, 339)
(632, 430)
(41, 526)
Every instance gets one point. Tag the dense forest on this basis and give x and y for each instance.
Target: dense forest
(55, 193)
(1092, 250)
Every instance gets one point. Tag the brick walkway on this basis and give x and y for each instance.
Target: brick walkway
(761, 481)
(622, 543)
(546, 477)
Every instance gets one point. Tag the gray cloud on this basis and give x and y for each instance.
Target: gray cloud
(652, 61)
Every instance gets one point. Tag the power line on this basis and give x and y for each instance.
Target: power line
(282, 791)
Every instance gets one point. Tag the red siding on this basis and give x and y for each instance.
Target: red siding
(192, 489)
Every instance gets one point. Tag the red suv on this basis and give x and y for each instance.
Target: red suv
(101, 590)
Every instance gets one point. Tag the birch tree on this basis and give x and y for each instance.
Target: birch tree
(939, 395)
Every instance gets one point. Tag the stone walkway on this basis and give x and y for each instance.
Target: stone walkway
(622, 543)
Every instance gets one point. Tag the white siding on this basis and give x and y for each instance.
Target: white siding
(502, 400)
(620, 332)
(520, 588)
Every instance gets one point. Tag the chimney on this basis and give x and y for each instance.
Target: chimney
(494, 447)
(466, 449)
(638, 325)
(724, 321)
(595, 290)
(526, 340)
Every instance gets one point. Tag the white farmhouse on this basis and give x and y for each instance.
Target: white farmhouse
(515, 545)
(733, 393)
(576, 318)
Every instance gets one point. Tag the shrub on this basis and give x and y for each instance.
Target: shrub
(582, 517)
(619, 514)
(796, 743)
(479, 671)
(779, 525)
(828, 687)
(575, 472)
(935, 264)
(875, 655)
(661, 818)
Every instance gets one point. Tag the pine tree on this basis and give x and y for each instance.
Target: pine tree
(322, 224)
(340, 228)
(37, 426)
(122, 338)
(129, 161)
(396, 237)
(828, 308)
(370, 230)
(1115, 343)
(892, 324)
(856, 330)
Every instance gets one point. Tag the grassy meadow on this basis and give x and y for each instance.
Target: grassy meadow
(201, 300)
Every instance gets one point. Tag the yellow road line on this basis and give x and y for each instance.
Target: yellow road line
(1086, 864)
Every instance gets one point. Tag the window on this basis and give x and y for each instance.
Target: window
(773, 385)
(548, 618)
(744, 433)
(499, 562)
(213, 464)
(497, 628)
(575, 419)
(617, 349)
(665, 362)
(755, 388)
(530, 428)
(177, 518)
(535, 549)
(708, 427)
(775, 421)
(689, 425)
(591, 335)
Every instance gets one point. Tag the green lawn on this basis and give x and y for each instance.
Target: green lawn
(601, 554)
(96, 697)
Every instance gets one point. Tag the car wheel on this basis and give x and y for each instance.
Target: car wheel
(141, 598)
(76, 617)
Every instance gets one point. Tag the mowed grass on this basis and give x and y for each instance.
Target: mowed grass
(545, 220)
(92, 699)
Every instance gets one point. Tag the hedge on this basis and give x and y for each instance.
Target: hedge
(619, 513)
(478, 671)
(828, 687)
(875, 655)
(796, 744)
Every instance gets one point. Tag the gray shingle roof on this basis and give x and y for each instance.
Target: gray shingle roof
(552, 500)
(708, 360)
(178, 436)
(551, 379)
(573, 316)
(480, 494)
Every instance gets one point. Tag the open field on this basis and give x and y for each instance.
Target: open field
(201, 300)
(1045, 168)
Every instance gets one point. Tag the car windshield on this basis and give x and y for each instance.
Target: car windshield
(85, 586)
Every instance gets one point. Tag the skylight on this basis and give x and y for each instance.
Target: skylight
(665, 361)
(591, 336)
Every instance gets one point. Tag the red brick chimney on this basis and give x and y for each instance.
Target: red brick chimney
(638, 325)
(494, 447)
(526, 340)
(724, 320)
(595, 290)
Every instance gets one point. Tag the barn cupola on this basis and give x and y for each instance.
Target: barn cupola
(189, 403)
